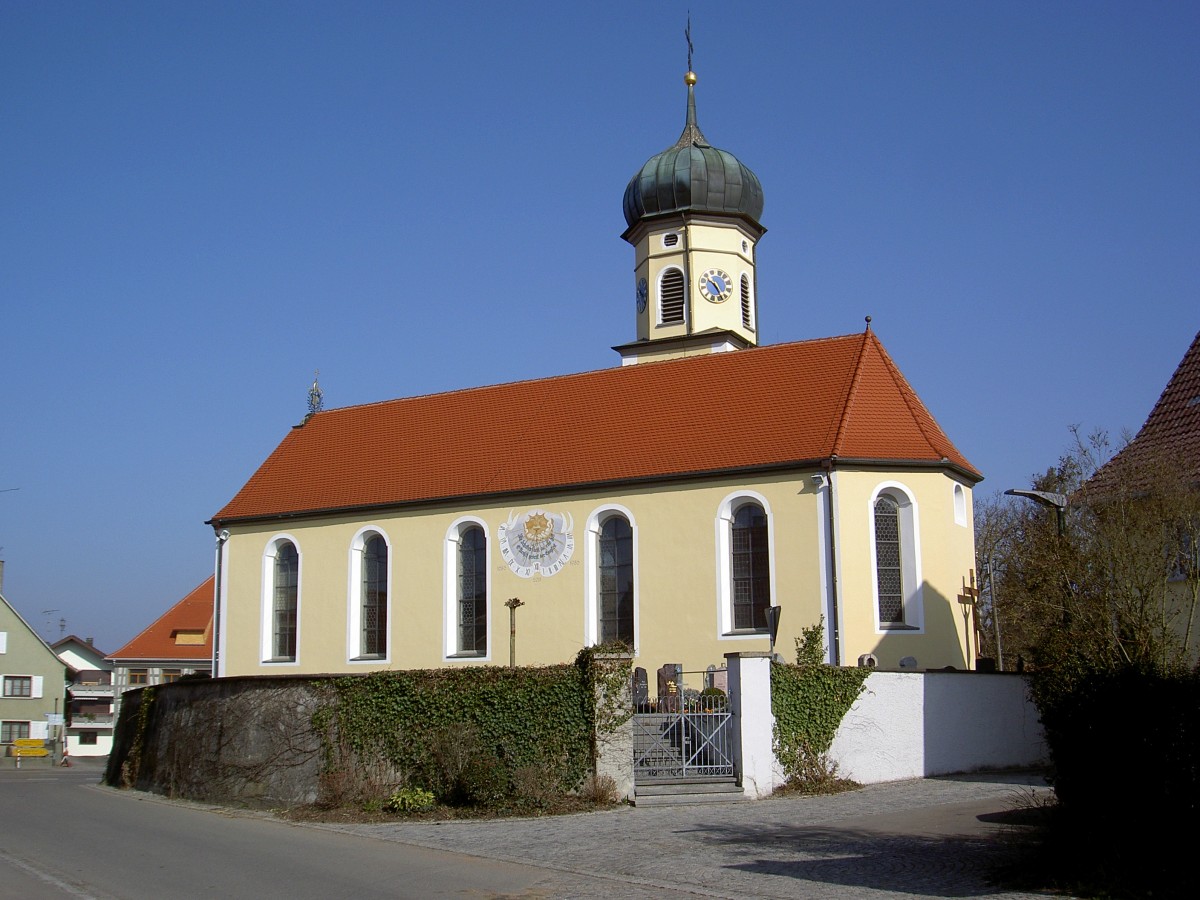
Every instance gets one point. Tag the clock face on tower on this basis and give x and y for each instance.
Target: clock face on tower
(715, 286)
(643, 291)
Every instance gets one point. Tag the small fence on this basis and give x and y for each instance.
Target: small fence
(683, 734)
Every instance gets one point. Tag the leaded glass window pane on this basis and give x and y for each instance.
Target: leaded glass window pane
(890, 582)
(472, 592)
(751, 568)
(616, 581)
(374, 597)
(287, 582)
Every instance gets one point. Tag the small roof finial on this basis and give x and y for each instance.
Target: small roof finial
(316, 398)
(868, 323)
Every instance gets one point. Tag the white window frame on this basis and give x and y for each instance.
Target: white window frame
(658, 297)
(36, 687)
(354, 655)
(911, 582)
(960, 505)
(266, 622)
(450, 650)
(591, 579)
(724, 545)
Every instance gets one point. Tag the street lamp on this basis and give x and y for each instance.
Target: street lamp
(1047, 498)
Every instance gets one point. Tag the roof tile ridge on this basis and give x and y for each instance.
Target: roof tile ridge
(1178, 380)
(851, 390)
(916, 408)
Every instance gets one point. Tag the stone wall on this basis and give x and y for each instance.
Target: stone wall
(245, 741)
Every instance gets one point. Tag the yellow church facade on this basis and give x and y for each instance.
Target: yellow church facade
(668, 503)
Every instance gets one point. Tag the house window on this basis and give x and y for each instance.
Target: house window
(373, 598)
(18, 686)
(751, 568)
(615, 580)
(139, 676)
(13, 731)
(87, 739)
(470, 591)
(747, 304)
(746, 571)
(170, 675)
(671, 297)
(895, 557)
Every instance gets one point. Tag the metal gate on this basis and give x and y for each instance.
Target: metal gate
(682, 735)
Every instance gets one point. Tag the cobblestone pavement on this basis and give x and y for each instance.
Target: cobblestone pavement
(934, 837)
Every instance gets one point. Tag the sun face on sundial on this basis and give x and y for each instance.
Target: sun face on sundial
(537, 542)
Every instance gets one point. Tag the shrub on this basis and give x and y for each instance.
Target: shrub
(409, 799)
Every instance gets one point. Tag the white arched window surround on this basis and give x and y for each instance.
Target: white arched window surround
(267, 624)
(960, 505)
(354, 602)
(591, 577)
(724, 528)
(454, 535)
(658, 295)
(910, 558)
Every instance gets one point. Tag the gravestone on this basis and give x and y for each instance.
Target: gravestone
(641, 690)
(669, 687)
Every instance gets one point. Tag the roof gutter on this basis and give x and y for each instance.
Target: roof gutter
(219, 522)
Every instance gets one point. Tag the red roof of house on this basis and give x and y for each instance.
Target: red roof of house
(190, 615)
(1171, 434)
(763, 407)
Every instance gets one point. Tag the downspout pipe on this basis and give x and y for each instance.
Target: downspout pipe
(222, 537)
(835, 635)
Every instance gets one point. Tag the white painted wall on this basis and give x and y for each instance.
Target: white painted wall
(910, 725)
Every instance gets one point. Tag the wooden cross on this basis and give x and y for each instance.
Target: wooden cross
(969, 598)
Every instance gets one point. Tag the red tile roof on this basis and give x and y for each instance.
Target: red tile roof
(1171, 434)
(191, 614)
(764, 407)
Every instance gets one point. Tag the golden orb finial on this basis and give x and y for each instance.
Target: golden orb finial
(690, 78)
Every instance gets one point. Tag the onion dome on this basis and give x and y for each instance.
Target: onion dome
(693, 176)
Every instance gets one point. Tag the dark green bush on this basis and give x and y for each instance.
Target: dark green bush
(1124, 747)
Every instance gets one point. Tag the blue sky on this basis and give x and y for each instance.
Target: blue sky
(204, 202)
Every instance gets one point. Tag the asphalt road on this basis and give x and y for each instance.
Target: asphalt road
(63, 835)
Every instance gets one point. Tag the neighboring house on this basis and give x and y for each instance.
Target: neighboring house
(669, 502)
(32, 679)
(89, 723)
(1165, 453)
(177, 643)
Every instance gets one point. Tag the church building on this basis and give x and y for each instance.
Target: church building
(669, 502)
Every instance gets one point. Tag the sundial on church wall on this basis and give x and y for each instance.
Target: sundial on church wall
(537, 542)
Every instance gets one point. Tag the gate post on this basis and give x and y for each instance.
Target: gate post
(754, 723)
(614, 721)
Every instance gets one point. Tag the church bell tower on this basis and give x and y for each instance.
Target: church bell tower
(693, 214)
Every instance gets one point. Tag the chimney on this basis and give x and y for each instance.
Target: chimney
(1, 576)
(89, 641)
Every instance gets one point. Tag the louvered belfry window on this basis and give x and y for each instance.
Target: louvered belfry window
(374, 597)
(472, 592)
(747, 311)
(888, 570)
(671, 297)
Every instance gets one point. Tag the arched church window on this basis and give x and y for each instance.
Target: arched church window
(615, 563)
